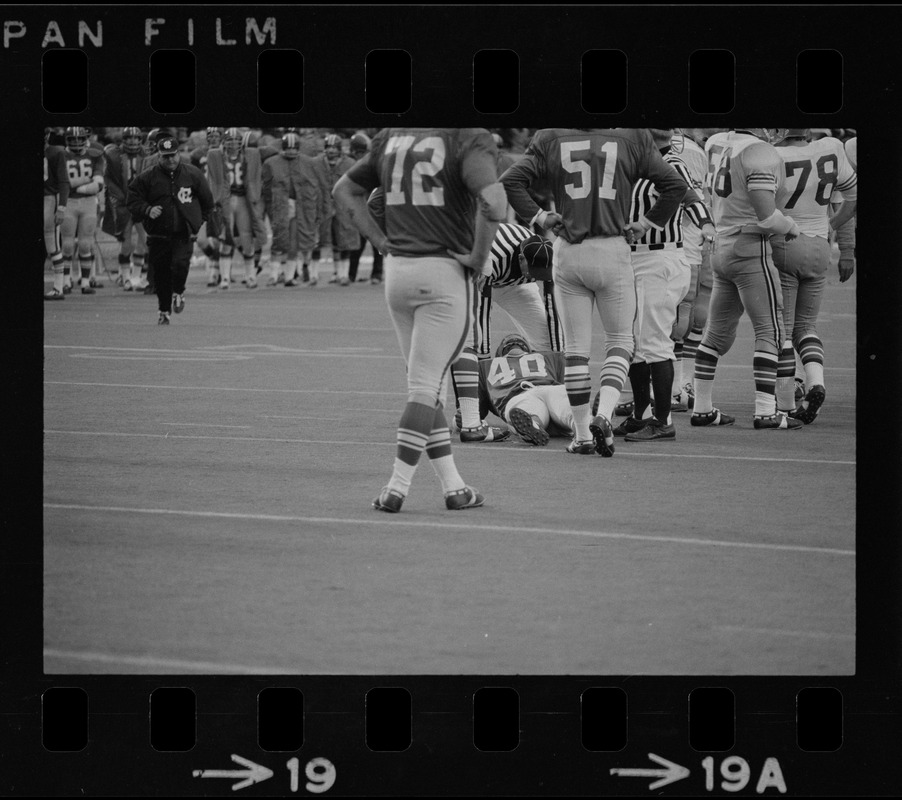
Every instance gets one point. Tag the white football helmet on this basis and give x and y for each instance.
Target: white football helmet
(769, 135)
(232, 142)
(77, 140)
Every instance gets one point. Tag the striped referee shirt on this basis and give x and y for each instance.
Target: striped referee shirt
(505, 254)
(671, 234)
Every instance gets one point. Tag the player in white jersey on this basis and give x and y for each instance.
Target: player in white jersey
(746, 174)
(814, 171)
(845, 233)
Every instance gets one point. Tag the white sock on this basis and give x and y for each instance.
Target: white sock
(402, 476)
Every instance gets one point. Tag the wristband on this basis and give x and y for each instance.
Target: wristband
(539, 218)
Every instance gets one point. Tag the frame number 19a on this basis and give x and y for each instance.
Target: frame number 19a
(736, 775)
(320, 775)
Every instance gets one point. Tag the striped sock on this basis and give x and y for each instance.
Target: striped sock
(465, 376)
(677, 369)
(786, 370)
(438, 448)
(579, 387)
(705, 366)
(764, 367)
(614, 372)
(811, 350)
(413, 433)
(85, 264)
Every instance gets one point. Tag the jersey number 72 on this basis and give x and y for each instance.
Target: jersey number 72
(400, 147)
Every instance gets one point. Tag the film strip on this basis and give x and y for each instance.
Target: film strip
(644, 701)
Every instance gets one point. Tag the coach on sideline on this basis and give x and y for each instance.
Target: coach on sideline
(172, 200)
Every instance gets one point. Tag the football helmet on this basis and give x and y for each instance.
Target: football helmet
(150, 143)
(77, 140)
(232, 142)
(769, 135)
(511, 342)
(248, 139)
(333, 145)
(360, 144)
(214, 136)
(797, 133)
(291, 145)
(132, 140)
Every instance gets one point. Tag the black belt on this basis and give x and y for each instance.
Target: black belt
(657, 246)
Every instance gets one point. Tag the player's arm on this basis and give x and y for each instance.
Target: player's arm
(352, 197)
(845, 239)
(62, 181)
(204, 194)
(136, 200)
(517, 179)
(479, 173)
(111, 179)
(847, 184)
(668, 183)
(763, 170)
(95, 183)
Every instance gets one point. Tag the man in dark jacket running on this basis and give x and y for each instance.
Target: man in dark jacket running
(172, 199)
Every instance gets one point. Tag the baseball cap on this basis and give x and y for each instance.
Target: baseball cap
(168, 146)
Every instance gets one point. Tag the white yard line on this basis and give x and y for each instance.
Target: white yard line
(467, 524)
(149, 662)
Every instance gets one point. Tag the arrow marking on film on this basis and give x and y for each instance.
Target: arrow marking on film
(255, 773)
(670, 774)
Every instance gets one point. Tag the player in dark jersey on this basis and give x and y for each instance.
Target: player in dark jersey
(591, 174)
(441, 195)
(525, 387)
(56, 194)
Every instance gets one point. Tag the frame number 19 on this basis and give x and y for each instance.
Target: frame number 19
(736, 775)
(320, 775)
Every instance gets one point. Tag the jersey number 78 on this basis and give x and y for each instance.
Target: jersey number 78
(400, 147)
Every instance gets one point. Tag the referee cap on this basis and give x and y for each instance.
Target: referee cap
(538, 254)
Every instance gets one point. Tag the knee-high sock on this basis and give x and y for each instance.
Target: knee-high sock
(764, 366)
(640, 375)
(811, 351)
(438, 448)
(579, 388)
(786, 370)
(613, 376)
(465, 377)
(414, 430)
(705, 366)
(662, 383)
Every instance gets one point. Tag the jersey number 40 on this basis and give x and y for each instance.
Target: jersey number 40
(433, 147)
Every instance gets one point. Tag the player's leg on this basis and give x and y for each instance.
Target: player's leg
(758, 283)
(681, 327)
(786, 256)
(68, 230)
(576, 302)
(227, 242)
(465, 369)
(724, 311)
(376, 274)
(87, 225)
(431, 334)
(813, 281)
(615, 296)
(159, 258)
(245, 225)
(526, 307)
(53, 246)
(181, 263)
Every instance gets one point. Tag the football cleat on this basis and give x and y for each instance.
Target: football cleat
(653, 431)
(811, 405)
(67, 289)
(467, 497)
(630, 425)
(800, 390)
(95, 284)
(389, 500)
(622, 409)
(484, 433)
(178, 303)
(603, 436)
(251, 282)
(163, 319)
(88, 290)
(578, 448)
(712, 417)
(54, 294)
(778, 421)
(526, 427)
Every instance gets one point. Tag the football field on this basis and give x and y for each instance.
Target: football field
(207, 509)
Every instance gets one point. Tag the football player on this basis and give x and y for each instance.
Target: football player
(84, 165)
(358, 147)
(123, 162)
(429, 293)
(746, 174)
(511, 283)
(295, 202)
(591, 174)
(526, 388)
(56, 195)
(208, 245)
(337, 235)
(236, 181)
(814, 171)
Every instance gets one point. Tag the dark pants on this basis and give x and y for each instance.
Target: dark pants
(355, 262)
(168, 259)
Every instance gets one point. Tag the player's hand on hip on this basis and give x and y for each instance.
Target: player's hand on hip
(155, 211)
(464, 258)
(846, 268)
(553, 222)
(58, 216)
(709, 238)
(633, 232)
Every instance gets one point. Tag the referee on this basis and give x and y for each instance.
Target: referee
(509, 284)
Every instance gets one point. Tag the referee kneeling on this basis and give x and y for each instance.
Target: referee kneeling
(172, 199)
